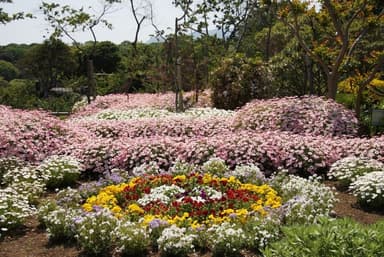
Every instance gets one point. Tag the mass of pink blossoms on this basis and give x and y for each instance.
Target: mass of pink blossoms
(304, 135)
(30, 135)
(130, 101)
(308, 115)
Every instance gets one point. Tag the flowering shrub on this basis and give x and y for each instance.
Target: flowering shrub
(14, 208)
(131, 238)
(348, 169)
(227, 239)
(59, 221)
(131, 101)
(307, 200)
(26, 181)
(175, 241)
(369, 189)
(94, 232)
(299, 115)
(193, 200)
(30, 135)
(261, 231)
(147, 113)
(247, 174)
(170, 126)
(8, 164)
(215, 166)
(60, 171)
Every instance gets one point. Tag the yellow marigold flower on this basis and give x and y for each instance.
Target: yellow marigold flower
(116, 209)
(233, 180)
(114, 189)
(241, 212)
(216, 220)
(249, 187)
(87, 207)
(147, 219)
(132, 183)
(273, 201)
(91, 200)
(207, 178)
(227, 212)
(134, 208)
(182, 178)
(258, 208)
(195, 224)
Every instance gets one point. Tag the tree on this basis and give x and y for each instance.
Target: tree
(336, 18)
(8, 71)
(49, 63)
(106, 57)
(6, 17)
(66, 20)
(139, 19)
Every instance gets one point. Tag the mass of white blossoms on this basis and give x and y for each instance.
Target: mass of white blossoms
(369, 189)
(348, 169)
(163, 193)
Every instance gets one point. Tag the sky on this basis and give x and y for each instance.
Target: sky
(124, 27)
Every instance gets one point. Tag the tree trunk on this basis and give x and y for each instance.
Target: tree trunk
(268, 43)
(332, 80)
(91, 92)
(309, 74)
(359, 100)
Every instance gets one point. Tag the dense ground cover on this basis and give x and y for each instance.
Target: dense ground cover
(120, 139)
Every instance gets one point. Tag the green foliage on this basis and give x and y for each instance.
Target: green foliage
(106, 57)
(6, 17)
(237, 80)
(49, 63)
(348, 100)
(336, 238)
(3, 82)
(21, 93)
(13, 52)
(8, 71)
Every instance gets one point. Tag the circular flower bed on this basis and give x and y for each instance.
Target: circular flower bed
(193, 200)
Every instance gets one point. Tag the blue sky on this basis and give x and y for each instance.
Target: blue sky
(33, 31)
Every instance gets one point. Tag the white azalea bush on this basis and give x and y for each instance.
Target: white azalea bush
(14, 209)
(147, 168)
(59, 221)
(182, 168)
(348, 169)
(131, 238)
(262, 230)
(369, 189)
(175, 241)
(215, 166)
(247, 174)
(94, 232)
(148, 113)
(306, 200)
(227, 239)
(8, 164)
(60, 171)
(26, 181)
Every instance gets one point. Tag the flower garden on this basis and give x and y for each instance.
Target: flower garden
(133, 178)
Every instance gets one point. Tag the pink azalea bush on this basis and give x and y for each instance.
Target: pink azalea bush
(270, 150)
(300, 115)
(131, 101)
(103, 145)
(30, 135)
(170, 126)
